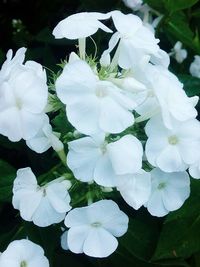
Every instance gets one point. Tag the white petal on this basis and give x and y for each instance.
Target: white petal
(27, 201)
(114, 118)
(31, 123)
(126, 155)
(135, 189)
(154, 147)
(99, 243)
(170, 160)
(64, 238)
(10, 124)
(82, 158)
(173, 198)
(155, 205)
(80, 25)
(122, 22)
(58, 196)
(104, 174)
(105, 57)
(46, 215)
(39, 144)
(76, 80)
(88, 108)
(76, 238)
(194, 170)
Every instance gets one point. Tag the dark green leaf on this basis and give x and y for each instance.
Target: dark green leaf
(7, 175)
(174, 5)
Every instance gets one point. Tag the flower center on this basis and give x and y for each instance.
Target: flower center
(101, 91)
(173, 140)
(161, 186)
(96, 224)
(44, 192)
(23, 264)
(18, 103)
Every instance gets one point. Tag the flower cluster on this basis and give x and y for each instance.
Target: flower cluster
(134, 132)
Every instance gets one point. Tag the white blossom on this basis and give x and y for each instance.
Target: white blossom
(164, 95)
(93, 105)
(195, 67)
(23, 97)
(92, 158)
(81, 25)
(135, 188)
(45, 139)
(169, 192)
(178, 53)
(23, 253)
(136, 42)
(93, 229)
(175, 149)
(44, 205)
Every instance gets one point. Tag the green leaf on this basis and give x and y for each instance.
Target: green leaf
(7, 176)
(157, 5)
(191, 84)
(175, 5)
(143, 232)
(177, 26)
(180, 236)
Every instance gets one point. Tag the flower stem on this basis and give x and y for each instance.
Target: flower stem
(82, 46)
(62, 156)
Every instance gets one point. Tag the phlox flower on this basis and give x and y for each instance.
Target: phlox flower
(175, 149)
(92, 158)
(23, 253)
(93, 105)
(169, 192)
(23, 97)
(136, 42)
(44, 205)
(93, 229)
(164, 95)
(45, 139)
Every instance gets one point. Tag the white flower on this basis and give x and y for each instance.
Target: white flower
(91, 158)
(195, 67)
(136, 42)
(194, 169)
(45, 139)
(133, 4)
(23, 253)
(178, 53)
(93, 228)
(135, 188)
(81, 25)
(93, 105)
(43, 205)
(169, 192)
(175, 149)
(23, 97)
(165, 94)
